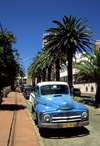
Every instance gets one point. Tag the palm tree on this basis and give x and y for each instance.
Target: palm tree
(33, 69)
(71, 36)
(49, 59)
(43, 62)
(89, 69)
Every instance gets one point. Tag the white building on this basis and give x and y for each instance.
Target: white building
(86, 87)
(24, 80)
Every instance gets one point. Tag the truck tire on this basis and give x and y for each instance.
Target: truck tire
(36, 120)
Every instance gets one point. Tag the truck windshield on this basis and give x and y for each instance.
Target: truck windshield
(54, 89)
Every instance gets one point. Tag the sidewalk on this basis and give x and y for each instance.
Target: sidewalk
(15, 126)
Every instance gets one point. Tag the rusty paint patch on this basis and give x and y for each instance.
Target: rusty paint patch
(40, 115)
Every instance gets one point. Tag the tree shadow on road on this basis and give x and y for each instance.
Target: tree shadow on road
(11, 107)
(64, 133)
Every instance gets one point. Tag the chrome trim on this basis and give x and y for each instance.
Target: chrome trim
(66, 120)
(60, 125)
(66, 117)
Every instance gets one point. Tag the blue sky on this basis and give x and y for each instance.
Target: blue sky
(28, 20)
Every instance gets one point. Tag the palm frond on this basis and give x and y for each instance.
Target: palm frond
(89, 67)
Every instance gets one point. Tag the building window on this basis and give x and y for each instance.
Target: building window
(86, 88)
(92, 89)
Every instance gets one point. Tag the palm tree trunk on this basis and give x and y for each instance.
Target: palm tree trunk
(97, 96)
(33, 82)
(44, 75)
(39, 79)
(49, 73)
(70, 56)
(57, 70)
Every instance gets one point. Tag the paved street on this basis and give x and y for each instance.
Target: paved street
(86, 136)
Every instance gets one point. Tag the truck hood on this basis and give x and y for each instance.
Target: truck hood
(59, 101)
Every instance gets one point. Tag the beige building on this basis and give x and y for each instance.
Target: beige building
(97, 44)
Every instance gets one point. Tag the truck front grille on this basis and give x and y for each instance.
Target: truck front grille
(66, 119)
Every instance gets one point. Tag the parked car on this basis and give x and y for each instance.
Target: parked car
(26, 85)
(21, 88)
(76, 92)
(55, 108)
(27, 92)
(32, 95)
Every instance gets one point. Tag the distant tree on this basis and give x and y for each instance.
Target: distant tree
(33, 70)
(89, 69)
(21, 69)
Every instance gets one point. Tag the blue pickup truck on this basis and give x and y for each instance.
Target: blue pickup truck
(55, 108)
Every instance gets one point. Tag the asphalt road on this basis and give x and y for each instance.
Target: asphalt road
(85, 136)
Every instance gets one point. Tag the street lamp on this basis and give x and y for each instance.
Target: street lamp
(26, 59)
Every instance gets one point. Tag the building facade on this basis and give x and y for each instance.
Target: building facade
(97, 44)
(84, 87)
(23, 80)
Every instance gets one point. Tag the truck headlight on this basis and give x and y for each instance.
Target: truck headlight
(84, 115)
(47, 118)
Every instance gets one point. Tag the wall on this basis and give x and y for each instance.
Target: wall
(29, 80)
(87, 87)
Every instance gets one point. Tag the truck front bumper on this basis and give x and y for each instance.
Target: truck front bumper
(64, 125)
